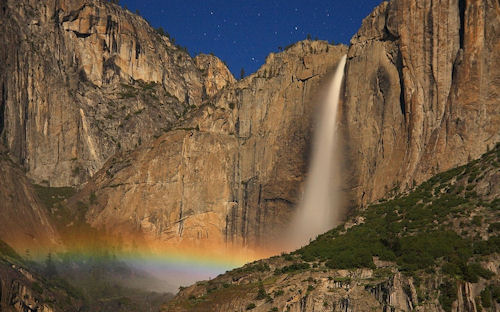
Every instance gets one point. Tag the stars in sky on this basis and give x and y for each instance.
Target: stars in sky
(244, 32)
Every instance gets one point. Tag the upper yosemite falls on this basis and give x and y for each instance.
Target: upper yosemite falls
(369, 173)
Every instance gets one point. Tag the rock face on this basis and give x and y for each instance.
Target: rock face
(229, 172)
(24, 223)
(81, 80)
(23, 290)
(421, 92)
(421, 96)
(356, 291)
(215, 72)
(86, 86)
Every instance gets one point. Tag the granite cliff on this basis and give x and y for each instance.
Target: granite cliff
(229, 171)
(421, 92)
(81, 80)
(173, 150)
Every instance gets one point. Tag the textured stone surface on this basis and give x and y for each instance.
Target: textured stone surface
(229, 172)
(85, 80)
(81, 80)
(359, 290)
(22, 290)
(421, 92)
(215, 72)
(24, 223)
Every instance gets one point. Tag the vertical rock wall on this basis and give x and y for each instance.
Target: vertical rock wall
(421, 92)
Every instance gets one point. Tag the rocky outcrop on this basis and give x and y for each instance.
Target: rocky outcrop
(229, 172)
(22, 290)
(81, 80)
(346, 290)
(24, 222)
(421, 92)
(215, 72)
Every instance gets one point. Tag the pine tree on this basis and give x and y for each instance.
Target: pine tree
(242, 73)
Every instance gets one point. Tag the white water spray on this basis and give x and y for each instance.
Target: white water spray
(320, 209)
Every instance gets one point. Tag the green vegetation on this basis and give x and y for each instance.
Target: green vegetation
(256, 267)
(261, 294)
(486, 298)
(278, 293)
(293, 268)
(448, 294)
(416, 230)
(53, 196)
(250, 306)
(6, 250)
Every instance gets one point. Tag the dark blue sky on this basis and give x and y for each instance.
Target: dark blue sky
(243, 32)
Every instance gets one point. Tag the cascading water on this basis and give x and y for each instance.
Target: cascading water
(320, 209)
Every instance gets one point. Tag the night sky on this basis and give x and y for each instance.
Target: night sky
(243, 32)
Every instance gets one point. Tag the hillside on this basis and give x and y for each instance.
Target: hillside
(74, 282)
(435, 248)
(26, 289)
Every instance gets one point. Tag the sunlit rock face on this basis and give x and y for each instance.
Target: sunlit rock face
(81, 80)
(421, 92)
(230, 173)
(215, 72)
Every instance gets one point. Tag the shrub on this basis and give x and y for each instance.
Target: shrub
(250, 306)
(448, 295)
(478, 270)
(278, 293)
(486, 298)
(261, 294)
(294, 267)
(495, 292)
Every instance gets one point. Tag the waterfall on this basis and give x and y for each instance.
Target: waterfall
(320, 209)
